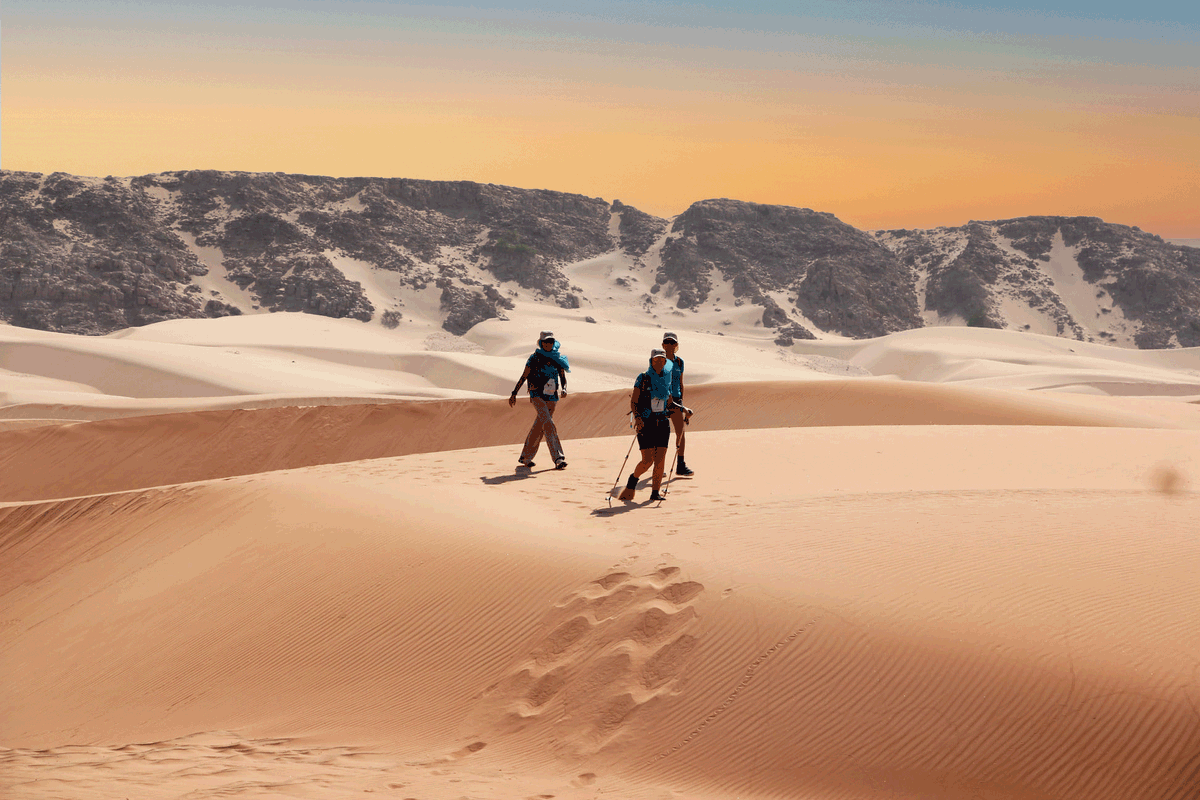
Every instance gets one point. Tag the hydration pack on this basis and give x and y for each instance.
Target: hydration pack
(539, 376)
(648, 404)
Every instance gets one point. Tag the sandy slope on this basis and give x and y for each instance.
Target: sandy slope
(294, 359)
(969, 574)
(1013, 619)
(68, 460)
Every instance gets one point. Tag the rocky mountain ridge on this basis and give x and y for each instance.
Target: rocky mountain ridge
(1078, 277)
(837, 277)
(88, 255)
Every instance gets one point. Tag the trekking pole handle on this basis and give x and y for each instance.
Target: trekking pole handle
(687, 418)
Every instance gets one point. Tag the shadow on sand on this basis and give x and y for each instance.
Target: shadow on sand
(624, 506)
(519, 475)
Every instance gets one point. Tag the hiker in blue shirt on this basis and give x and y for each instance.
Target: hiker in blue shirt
(670, 345)
(546, 370)
(651, 406)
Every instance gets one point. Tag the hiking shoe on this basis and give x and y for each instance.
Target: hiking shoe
(560, 464)
(655, 496)
(682, 469)
(526, 463)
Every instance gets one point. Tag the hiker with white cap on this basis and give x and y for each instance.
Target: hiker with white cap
(546, 370)
(651, 406)
(680, 415)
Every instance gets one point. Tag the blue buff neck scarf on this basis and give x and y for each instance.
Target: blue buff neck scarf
(555, 356)
(660, 385)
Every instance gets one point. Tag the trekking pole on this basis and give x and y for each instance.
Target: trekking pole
(623, 463)
(687, 417)
(667, 485)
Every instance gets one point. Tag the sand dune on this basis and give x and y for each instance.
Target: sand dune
(849, 627)
(1013, 360)
(295, 359)
(118, 454)
(286, 557)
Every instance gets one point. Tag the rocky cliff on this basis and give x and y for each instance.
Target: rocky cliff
(88, 255)
(836, 276)
(91, 255)
(1078, 277)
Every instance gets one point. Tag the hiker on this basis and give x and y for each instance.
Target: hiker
(546, 370)
(670, 345)
(651, 406)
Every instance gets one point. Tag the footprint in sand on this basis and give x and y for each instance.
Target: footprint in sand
(610, 647)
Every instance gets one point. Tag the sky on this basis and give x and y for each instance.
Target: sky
(886, 113)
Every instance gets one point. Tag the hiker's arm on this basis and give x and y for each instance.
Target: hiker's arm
(524, 375)
(676, 406)
(633, 406)
(562, 380)
(512, 400)
(681, 386)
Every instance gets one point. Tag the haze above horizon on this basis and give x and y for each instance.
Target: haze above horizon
(887, 114)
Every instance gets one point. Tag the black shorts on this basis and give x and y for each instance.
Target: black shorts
(656, 432)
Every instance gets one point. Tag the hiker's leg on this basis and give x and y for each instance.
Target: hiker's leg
(645, 463)
(677, 424)
(551, 431)
(534, 439)
(660, 460)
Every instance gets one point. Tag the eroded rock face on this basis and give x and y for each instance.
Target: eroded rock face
(788, 334)
(466, 308)
(1082, 277)
(1152, 281)
(302, 282)
(90, 255)
(638, 230)
(836, 275)
(423, 230)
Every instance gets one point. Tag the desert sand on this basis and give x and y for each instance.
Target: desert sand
(281, 556)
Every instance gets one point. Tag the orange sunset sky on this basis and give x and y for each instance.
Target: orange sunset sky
(886, 114)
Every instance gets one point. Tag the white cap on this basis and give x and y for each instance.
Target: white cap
(670, 337)
(545, 335)
(658, 353)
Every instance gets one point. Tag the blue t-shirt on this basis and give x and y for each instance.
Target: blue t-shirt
(659, 392)
(543, 376)
(676, 377)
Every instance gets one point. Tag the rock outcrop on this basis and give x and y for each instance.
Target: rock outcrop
(466, 308)
(638, 230)
(1085, 278)
(91, 256)
(837, 276)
